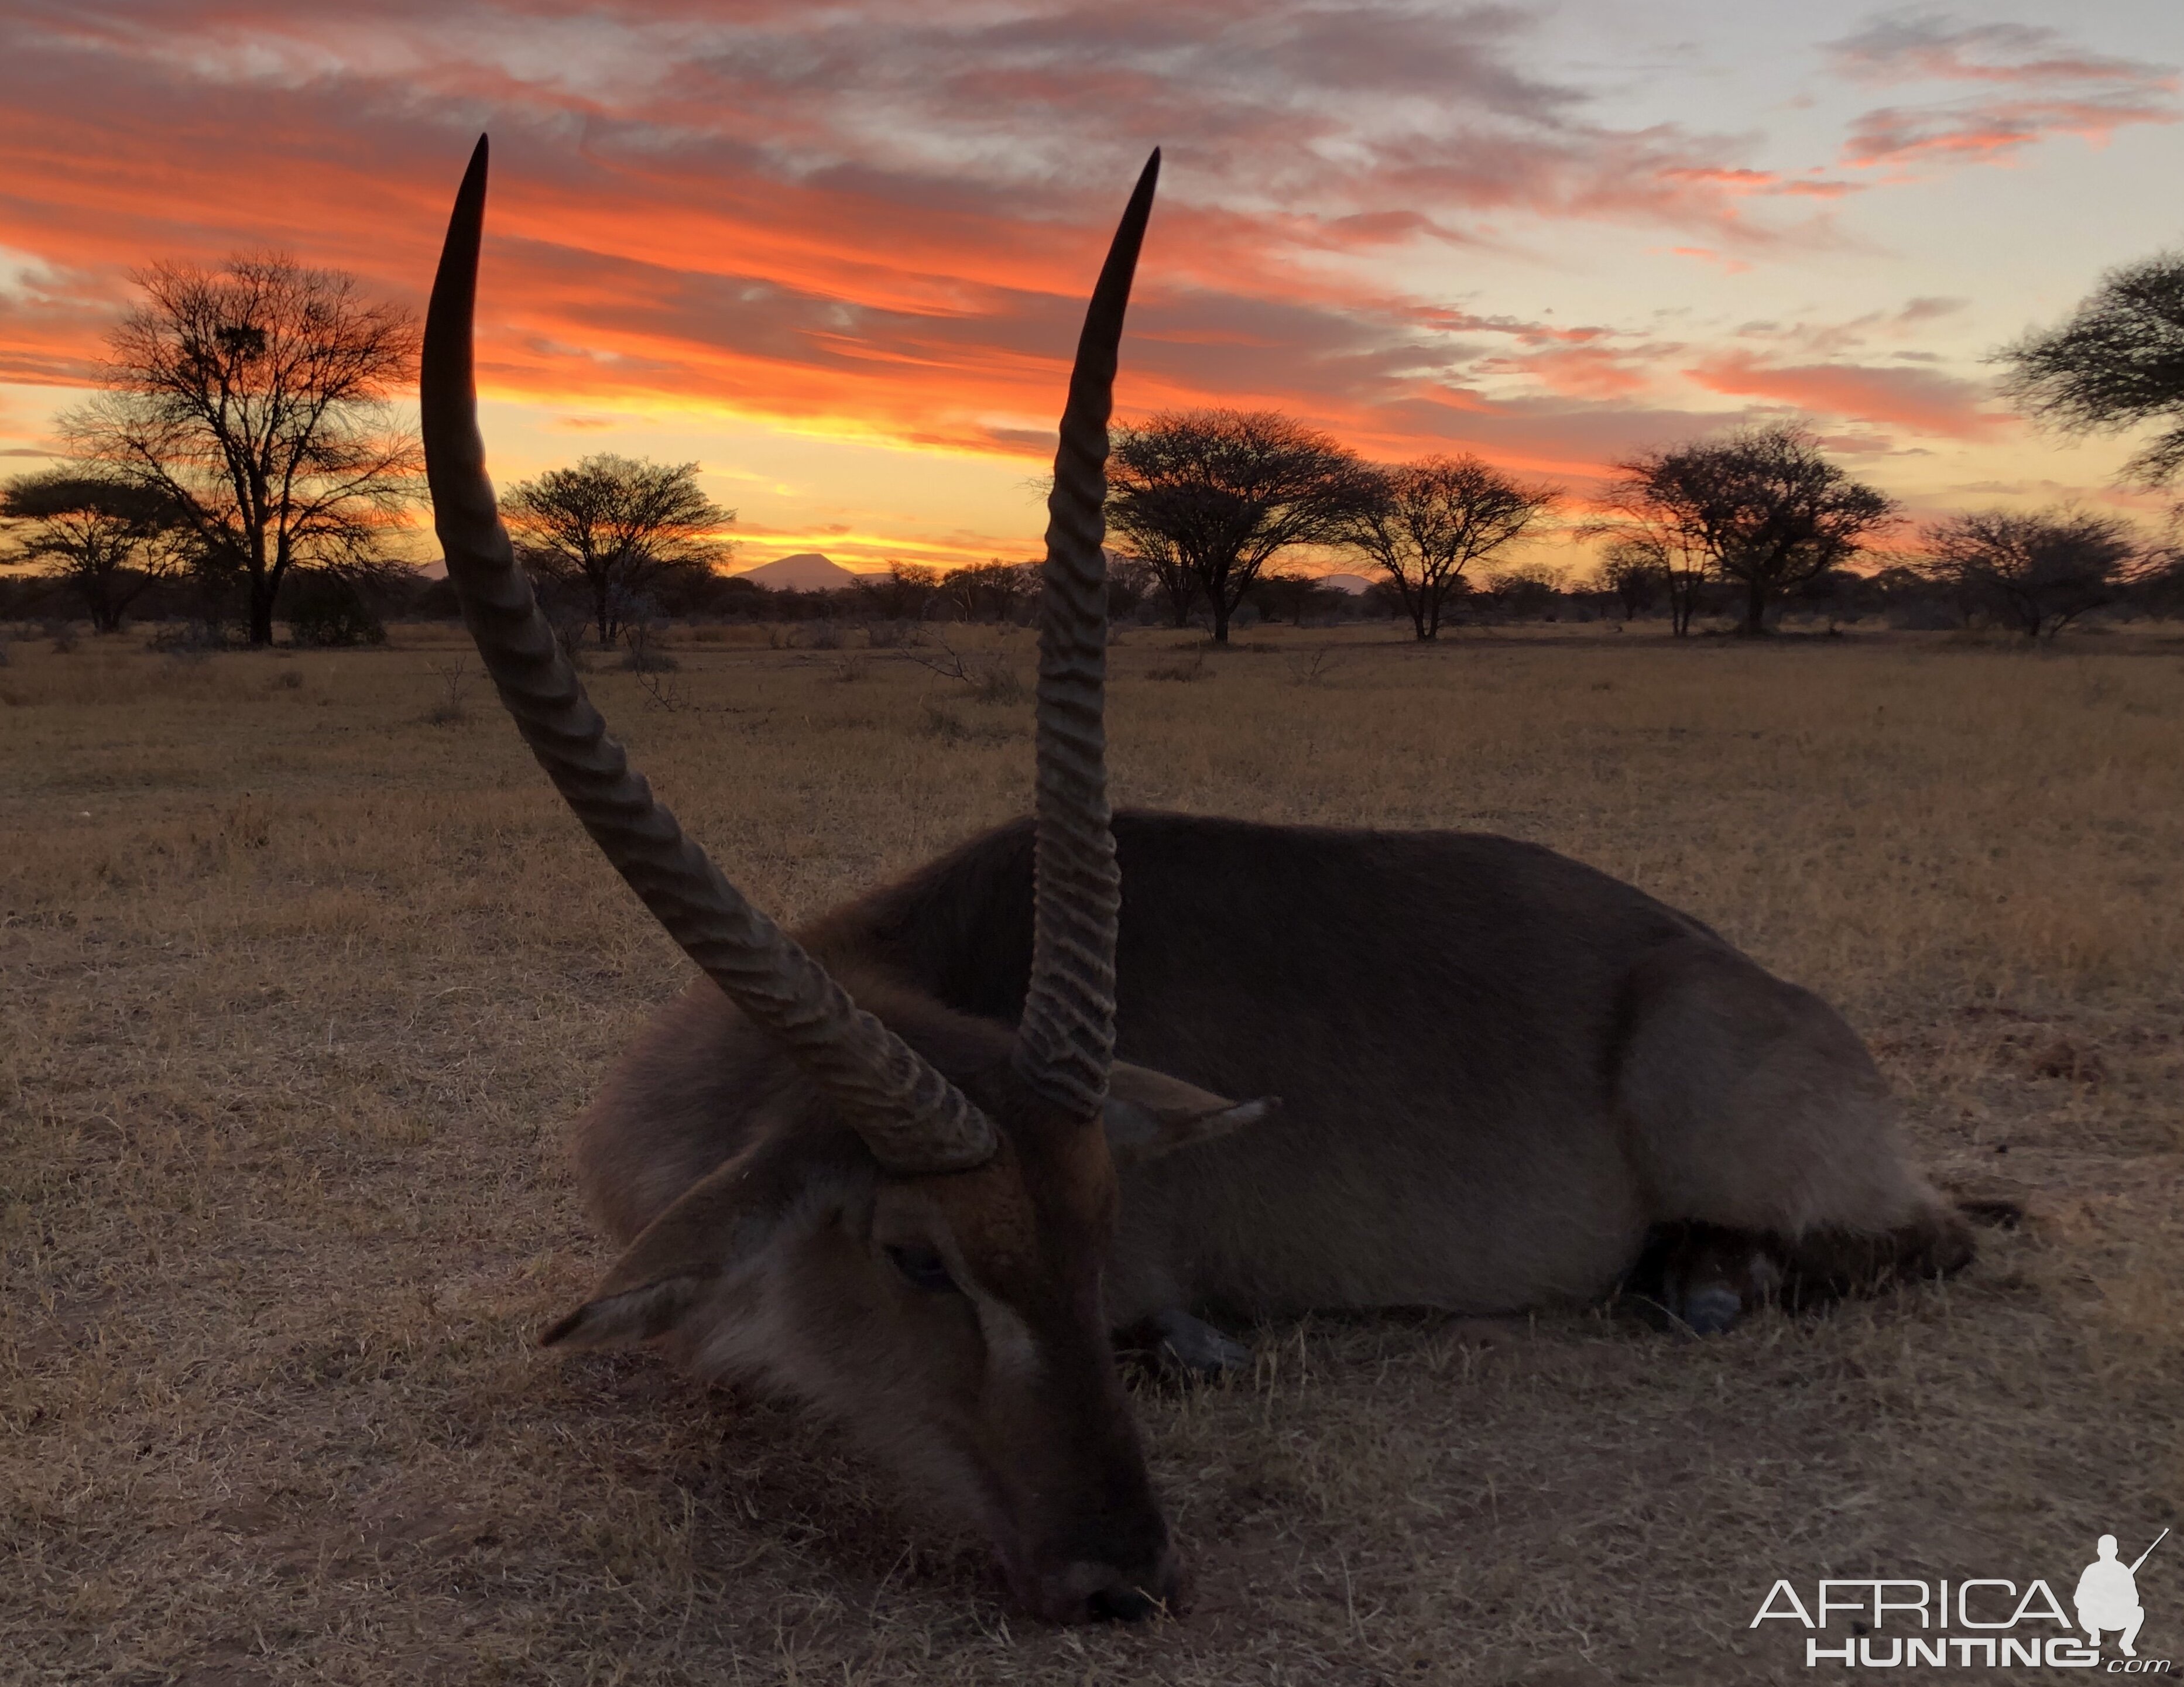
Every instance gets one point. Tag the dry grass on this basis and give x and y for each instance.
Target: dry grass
(304, 968)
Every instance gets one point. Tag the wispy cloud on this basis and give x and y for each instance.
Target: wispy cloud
(2032, 84)
(859, 219)
(1919, 400)
(877, 221)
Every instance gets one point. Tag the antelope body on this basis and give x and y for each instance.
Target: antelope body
(1501, 1074)
(919, 1163)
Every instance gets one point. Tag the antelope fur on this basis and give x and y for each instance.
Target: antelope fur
(1499, 1070)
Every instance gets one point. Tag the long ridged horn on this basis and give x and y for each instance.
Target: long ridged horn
(912, 1118)
(1066, 1040)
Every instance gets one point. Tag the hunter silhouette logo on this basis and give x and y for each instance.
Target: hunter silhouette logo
(2108, 1594)
(1977, 1623)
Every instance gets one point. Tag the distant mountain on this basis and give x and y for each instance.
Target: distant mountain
(1351, 583)
(805, 571)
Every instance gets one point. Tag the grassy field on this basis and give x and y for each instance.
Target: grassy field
(305, 968)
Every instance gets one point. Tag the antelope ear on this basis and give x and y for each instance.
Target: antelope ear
(1149, 1114)
(714, 1226)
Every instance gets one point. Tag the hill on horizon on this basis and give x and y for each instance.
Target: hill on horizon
(805, 571)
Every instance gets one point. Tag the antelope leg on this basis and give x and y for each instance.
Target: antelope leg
(1195, 1348)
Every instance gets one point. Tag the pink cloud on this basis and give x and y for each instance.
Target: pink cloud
(2046, 88)
(1821, 190)
(1927, 47)
(1707, 254)
(880, 219)
(876, 218)
(1579, 371)
(1916, 399)
(1900, 135)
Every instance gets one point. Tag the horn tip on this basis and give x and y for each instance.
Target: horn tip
(474, 177)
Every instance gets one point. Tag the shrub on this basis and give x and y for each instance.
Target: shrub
(326, 612)
(188, 639)
(1190, 670)
(995, 681)
(642, 652)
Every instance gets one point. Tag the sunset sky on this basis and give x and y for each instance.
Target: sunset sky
(836, 254)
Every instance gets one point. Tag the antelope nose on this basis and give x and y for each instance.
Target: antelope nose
(1122, 1605)
(1086, 1591)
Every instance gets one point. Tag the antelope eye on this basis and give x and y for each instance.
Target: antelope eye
(923, 1267)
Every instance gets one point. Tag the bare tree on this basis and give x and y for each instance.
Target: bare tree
(2117, 363)
(1643, 543)
(1635, 574)
(2157, 588)
(1129, 583)
(1523, 593)
(253, 399)
(104, 538)
(613, 526)
(1760, 506)
(1172, 577)
(2036, 571)
(1208, 497)
(904, 592)
(1283, 595)
(989, 590)
(1422, 524)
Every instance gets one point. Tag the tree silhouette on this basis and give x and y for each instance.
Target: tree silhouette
(2036, 571)
(611, 528)
(1635, 574)
(1422, 524)
(253, 399)
(2117, 363)
(989, 590)
(1208, 497)
(107, 539)
(1760, 506)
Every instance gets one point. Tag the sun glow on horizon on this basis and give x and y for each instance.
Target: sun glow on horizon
(853, 303)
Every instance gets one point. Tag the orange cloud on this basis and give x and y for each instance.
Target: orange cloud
(1988, 131)
(1917, 399)
(1579, 371)
(2056, 90)
(879, 222)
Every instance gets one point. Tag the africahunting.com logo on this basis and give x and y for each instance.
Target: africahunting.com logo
(1984, 1623)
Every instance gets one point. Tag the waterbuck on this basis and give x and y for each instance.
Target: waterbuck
(895, 1165)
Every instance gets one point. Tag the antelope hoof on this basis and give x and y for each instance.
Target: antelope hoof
(1712, 1309)
(1187, 1346)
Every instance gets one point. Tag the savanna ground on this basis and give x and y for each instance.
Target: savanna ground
(302, 983)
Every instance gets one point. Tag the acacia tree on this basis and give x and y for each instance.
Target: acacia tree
(104, 538)
(1644, 546)
(1208, 497)
(2117, 363)
(989, 590)
(1282, 595)
(253, 400)
(612, 527)
(2037, 570)
(1633, 573)
(1172, 576)
(1760, 506)
(1424, 523)
(904, 592)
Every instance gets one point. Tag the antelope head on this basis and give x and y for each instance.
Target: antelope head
(914, 1238)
